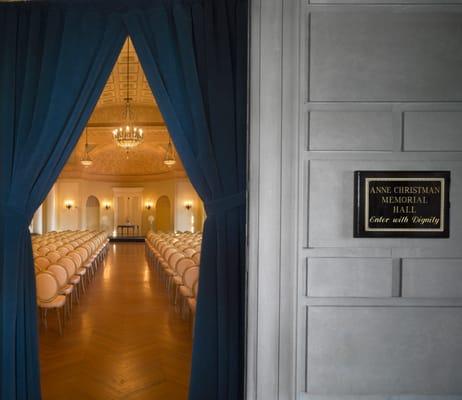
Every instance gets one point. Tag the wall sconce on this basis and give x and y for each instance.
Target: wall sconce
(188, 204)
(68, 204)
(148, 205)
(107, 205)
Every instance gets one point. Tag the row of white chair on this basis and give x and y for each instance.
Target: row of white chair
(64, 263)
(176, 257)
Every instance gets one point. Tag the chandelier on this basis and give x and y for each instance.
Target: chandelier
(128, 136)
(86, 161)
(169, 158)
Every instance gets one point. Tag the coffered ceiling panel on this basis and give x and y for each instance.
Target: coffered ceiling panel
(115, 90)
(110, 162)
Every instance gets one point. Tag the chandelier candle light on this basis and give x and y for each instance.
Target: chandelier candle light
(169, 159)
(128, 136)
(86, 161)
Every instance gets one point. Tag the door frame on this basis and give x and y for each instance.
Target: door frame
(273, 185)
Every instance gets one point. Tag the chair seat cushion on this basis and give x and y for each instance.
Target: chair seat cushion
(186, 292)
(75, 279)
(66, 289)
(57, 302)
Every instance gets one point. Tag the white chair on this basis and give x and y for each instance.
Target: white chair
(181, 267)
(65, 289)
(74, 278)
(170, 271)
(190, 276)
(48, 296)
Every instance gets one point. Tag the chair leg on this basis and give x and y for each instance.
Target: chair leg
(82, 282)
(175, 299)
(58, 315)
(77, 293)
(193, 325)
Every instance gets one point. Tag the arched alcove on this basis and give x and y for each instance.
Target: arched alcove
(92, 213)
(164, 214)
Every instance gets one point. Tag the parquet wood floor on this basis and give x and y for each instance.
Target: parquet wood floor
(124, 340)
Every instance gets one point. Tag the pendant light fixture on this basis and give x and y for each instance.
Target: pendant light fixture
(169, 159)
(128, 136)
(86, 161)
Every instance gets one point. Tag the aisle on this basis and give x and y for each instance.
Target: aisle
(124, 341)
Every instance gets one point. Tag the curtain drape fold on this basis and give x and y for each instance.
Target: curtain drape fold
(194, 56)
(55, 59)
(54, 62)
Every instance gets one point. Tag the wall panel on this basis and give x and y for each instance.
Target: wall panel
(346, 130)
(433, 131)
(350, 277)
(385, 54)
(432, 277)
(331, 203)
(376, 350)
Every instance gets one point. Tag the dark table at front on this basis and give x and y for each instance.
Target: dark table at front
(127, 228)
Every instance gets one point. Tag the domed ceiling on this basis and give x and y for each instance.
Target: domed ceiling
(110, 162)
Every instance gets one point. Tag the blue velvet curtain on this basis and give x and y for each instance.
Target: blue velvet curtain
(54, 62)
(194, 54)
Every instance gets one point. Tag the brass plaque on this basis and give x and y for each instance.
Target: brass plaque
(407, 204)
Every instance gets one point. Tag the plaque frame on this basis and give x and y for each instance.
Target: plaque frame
(360, 223)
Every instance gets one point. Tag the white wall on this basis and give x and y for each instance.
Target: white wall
(37, 221)
(78, 190)
(187, 220)
(51, 203)
(70, 190)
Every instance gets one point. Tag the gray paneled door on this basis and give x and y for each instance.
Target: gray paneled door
(338, 86)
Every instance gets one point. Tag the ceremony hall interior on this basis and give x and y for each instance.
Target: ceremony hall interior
(117, 246)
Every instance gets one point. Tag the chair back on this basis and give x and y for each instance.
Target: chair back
(62, 250)
(47, 286)
(196, 257)
(173, 260)
(168, 252)
(42, 251)
(69, 264)
(189, 251)
(53, 256)
(76, 258)
(41, 262)
(59, 273)
(183, 265)
(83, 253)
(190, 276)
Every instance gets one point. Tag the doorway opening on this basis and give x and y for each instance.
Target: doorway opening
(127, 333)
(164, 220)
(92, 213)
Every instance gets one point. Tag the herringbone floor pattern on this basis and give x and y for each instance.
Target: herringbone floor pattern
(124, 341)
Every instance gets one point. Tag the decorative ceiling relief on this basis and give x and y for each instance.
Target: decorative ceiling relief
(110, 162)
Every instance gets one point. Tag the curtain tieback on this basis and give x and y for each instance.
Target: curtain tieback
(225, 203)
(8, 210)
